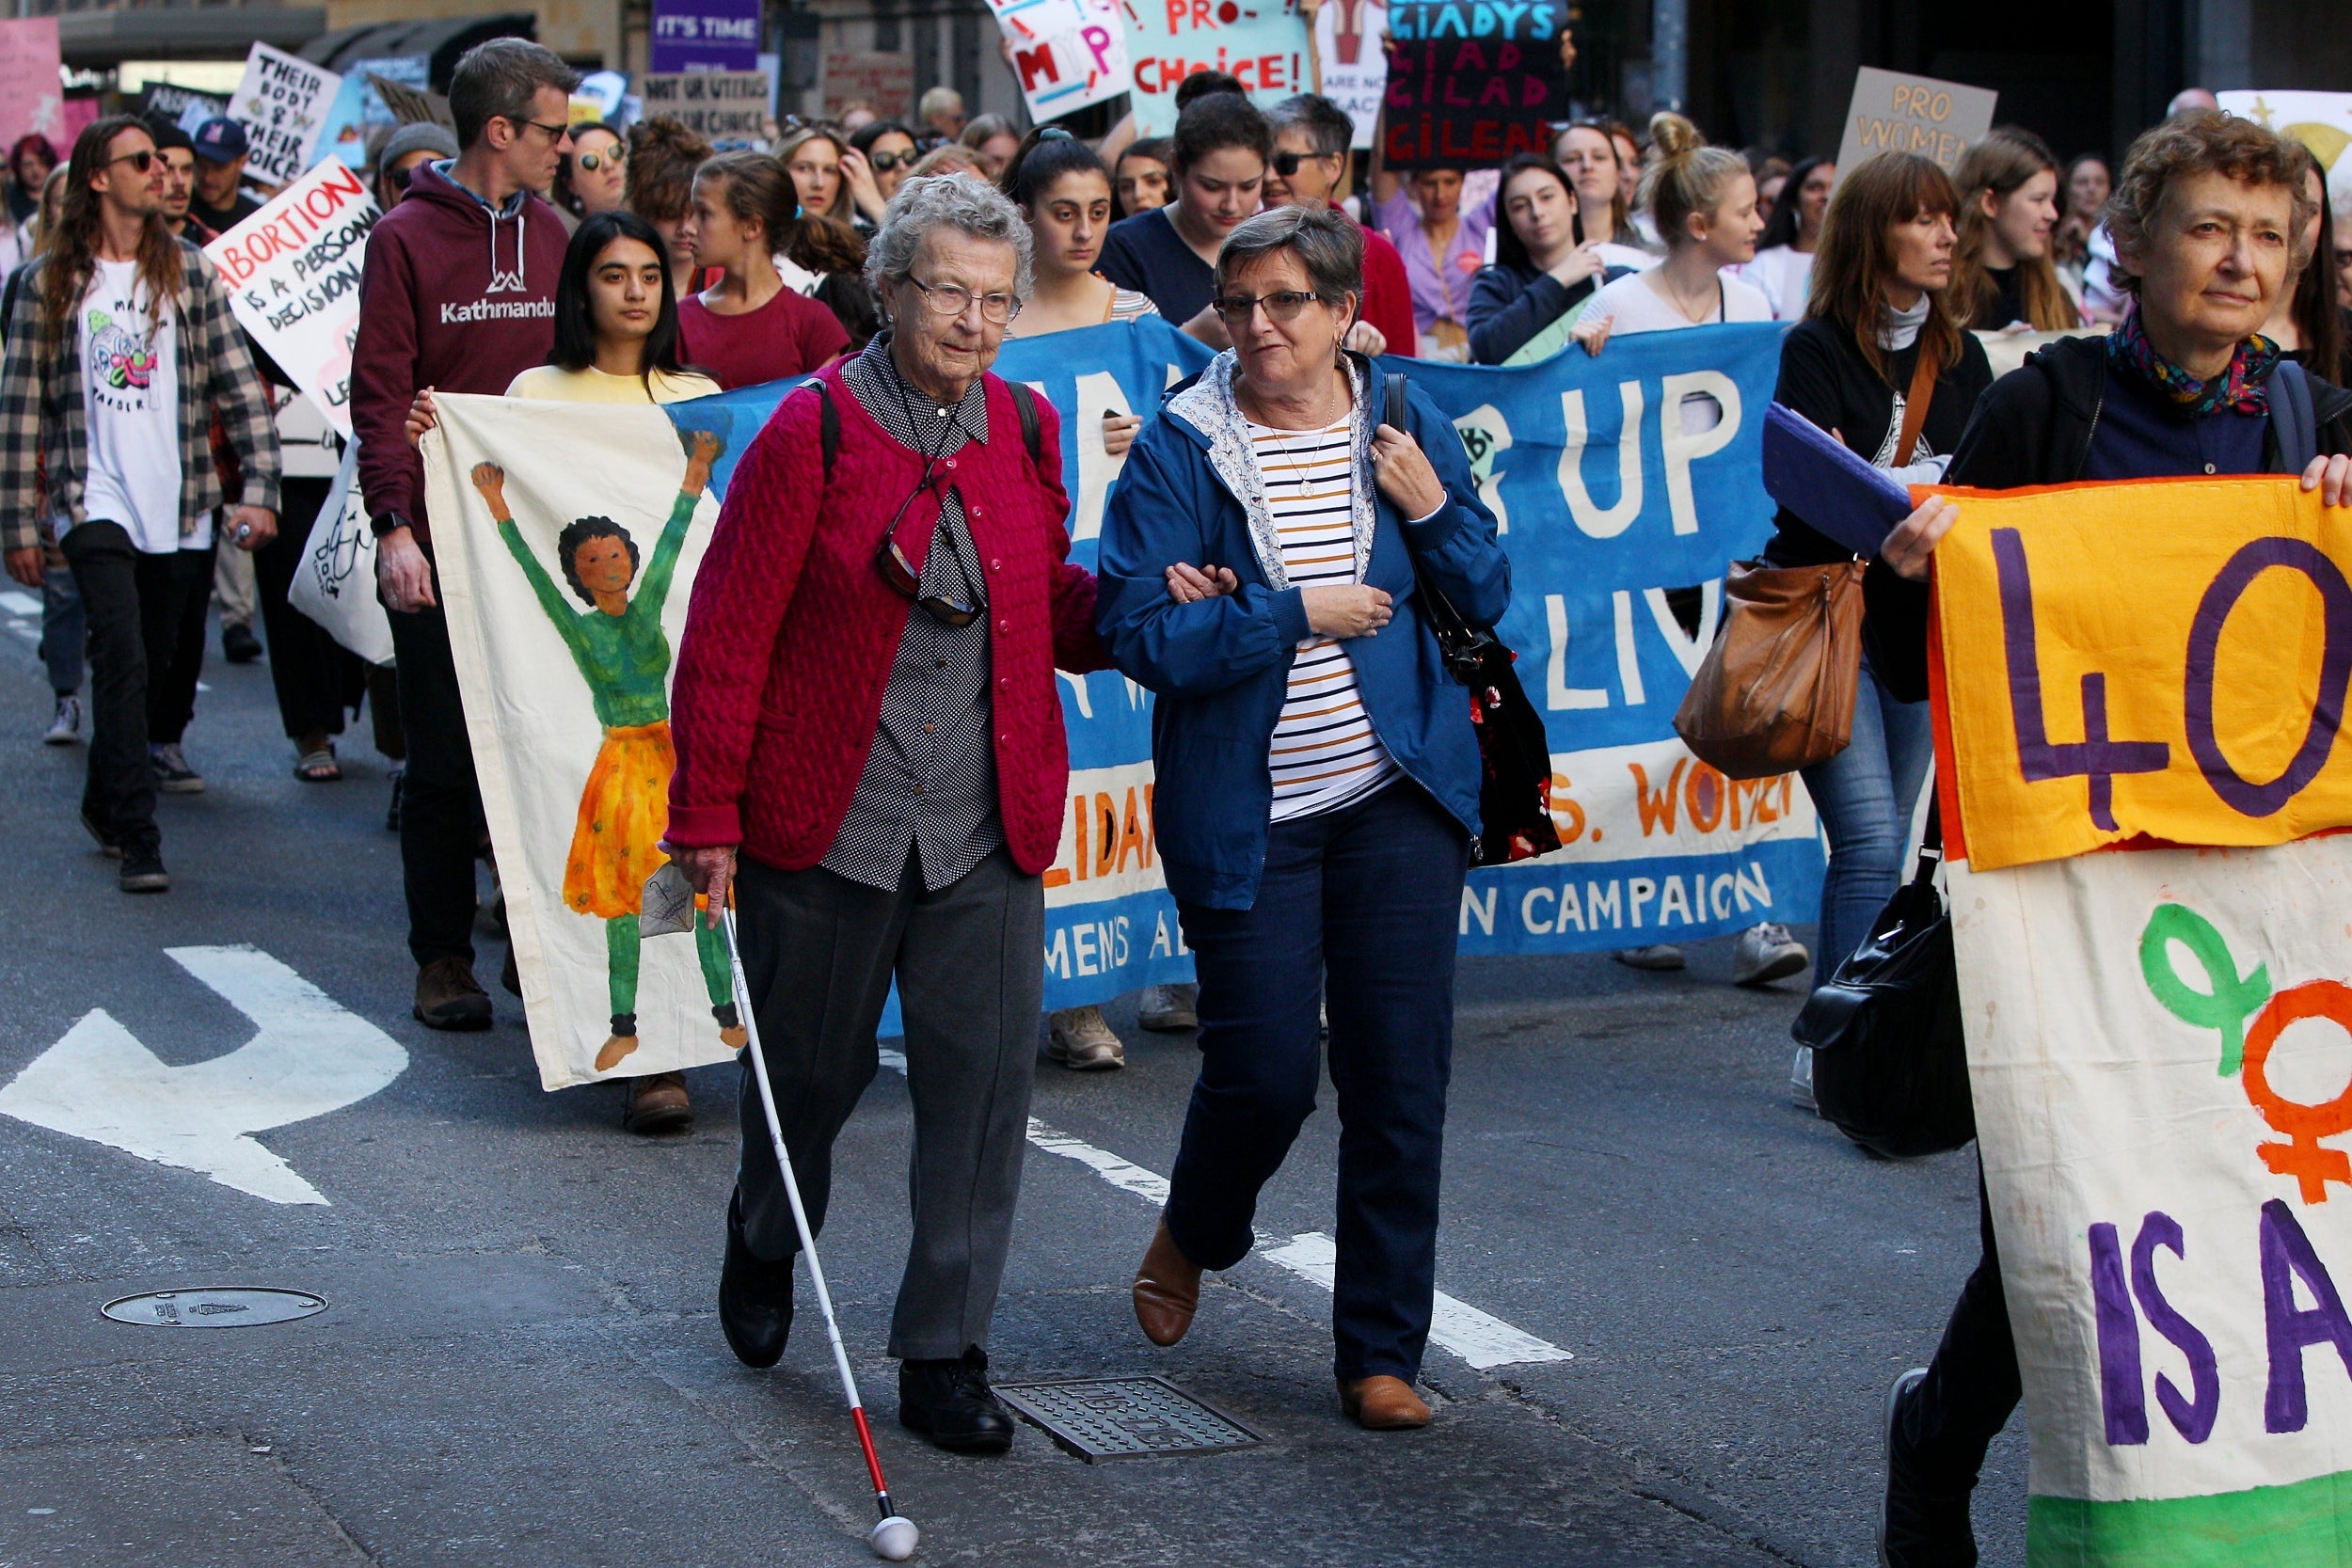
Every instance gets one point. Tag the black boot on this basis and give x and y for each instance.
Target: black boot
(755, 1297)
(951, 1404)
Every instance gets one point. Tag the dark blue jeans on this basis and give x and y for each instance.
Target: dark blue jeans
(1370, 896)
(1865, 795)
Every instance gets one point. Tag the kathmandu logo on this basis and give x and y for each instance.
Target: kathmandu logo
(121, 359)
(498, 309)
(2227, 1003)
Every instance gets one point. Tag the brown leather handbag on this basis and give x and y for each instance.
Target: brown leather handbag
(1776, 692)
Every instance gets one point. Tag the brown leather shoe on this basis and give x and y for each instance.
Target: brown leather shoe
(1167, 1290)
(1382, 1404)
(658, 1104)
(448, 997)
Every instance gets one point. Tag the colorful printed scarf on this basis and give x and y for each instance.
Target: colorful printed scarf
(2241, 387)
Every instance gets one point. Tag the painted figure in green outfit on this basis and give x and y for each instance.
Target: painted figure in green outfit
(624, 656)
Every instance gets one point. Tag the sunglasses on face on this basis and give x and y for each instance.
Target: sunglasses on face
(594, 161)
(1284, 305)
(884, 162)
(143, 160)
(1286, 163)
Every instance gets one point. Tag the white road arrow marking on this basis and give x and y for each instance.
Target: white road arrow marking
(309, 1057)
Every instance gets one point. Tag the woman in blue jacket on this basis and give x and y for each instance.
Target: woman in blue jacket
(1317, 777)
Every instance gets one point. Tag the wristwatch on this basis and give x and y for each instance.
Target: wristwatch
(389, 522)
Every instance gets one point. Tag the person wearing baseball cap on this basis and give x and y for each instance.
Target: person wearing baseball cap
(218, 204)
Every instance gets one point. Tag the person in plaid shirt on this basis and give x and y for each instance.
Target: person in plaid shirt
(120, 348)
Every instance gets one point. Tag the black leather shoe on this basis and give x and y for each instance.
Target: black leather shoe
(755, 1298)
(951, 1404)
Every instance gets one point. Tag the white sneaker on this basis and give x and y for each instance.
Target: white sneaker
(1660, 955)
(1169, 1007)
(65, 729)
(1766, 952)
(1801, 1081)
(1081, 1041)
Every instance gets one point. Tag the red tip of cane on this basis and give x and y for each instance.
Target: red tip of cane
(865, 1441)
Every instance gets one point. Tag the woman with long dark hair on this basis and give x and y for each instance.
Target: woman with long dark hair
(1783, 267)
(592, 177)
(1544, 267)
(1879, 302)
(747, 328)
(2003, 273)
(2308, 323)
(616, 322)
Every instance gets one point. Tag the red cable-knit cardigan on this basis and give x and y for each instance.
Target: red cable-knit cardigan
(791, 632)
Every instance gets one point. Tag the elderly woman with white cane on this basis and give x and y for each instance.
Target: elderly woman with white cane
(870, 756)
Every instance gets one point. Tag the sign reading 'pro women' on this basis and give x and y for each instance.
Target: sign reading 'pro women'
(2159, 1038)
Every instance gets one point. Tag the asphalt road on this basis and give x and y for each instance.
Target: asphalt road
(521, 1362)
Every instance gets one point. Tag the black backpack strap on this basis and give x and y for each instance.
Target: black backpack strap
(828, 423)
(2293, 419)
(1032, 436)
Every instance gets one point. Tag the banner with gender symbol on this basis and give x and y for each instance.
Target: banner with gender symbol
(2160, 1035)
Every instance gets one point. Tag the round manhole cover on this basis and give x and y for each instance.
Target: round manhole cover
(237, 1307)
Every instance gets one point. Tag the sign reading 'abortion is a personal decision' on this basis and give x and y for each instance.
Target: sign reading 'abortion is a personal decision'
(293, 271)
(1472, 81)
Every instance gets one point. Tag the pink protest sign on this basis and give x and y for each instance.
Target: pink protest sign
(32, 102)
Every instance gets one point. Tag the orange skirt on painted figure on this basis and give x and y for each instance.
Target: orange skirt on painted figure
(623, 814)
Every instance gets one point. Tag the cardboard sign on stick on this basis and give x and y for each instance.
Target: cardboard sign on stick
(1895, 113)
(282, 103)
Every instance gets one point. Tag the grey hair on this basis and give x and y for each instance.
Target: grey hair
(1325, 241)
(955, 201)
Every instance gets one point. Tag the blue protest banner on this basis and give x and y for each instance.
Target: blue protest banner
(1622, 495)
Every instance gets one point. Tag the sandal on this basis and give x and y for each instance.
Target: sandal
(318, 766)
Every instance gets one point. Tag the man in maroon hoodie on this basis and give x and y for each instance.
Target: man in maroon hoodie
(458, 297)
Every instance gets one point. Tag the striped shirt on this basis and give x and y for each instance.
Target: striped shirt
(1323, 752)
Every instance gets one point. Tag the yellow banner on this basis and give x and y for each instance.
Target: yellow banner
(2161, 661)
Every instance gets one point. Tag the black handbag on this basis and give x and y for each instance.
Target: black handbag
(1514, 754)
(1890, 1067)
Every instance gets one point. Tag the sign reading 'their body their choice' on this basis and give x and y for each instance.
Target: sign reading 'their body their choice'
(282, 103)
(293, 271)
(1262, 44)
(1894, 113)
(1472, 81)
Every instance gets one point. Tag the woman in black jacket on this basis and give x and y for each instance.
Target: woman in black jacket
(1878, 304)
(2181, 387)
(1544, 266)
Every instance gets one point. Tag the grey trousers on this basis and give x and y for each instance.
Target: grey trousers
(818, 953)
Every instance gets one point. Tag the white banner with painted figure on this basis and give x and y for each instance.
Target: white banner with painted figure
(568, 536)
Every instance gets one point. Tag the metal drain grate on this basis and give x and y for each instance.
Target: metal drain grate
(1125, 1418)
(237, 1307)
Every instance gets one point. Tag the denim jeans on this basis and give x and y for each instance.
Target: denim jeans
(64, 629)
(1368, 896)
(1865, 795)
